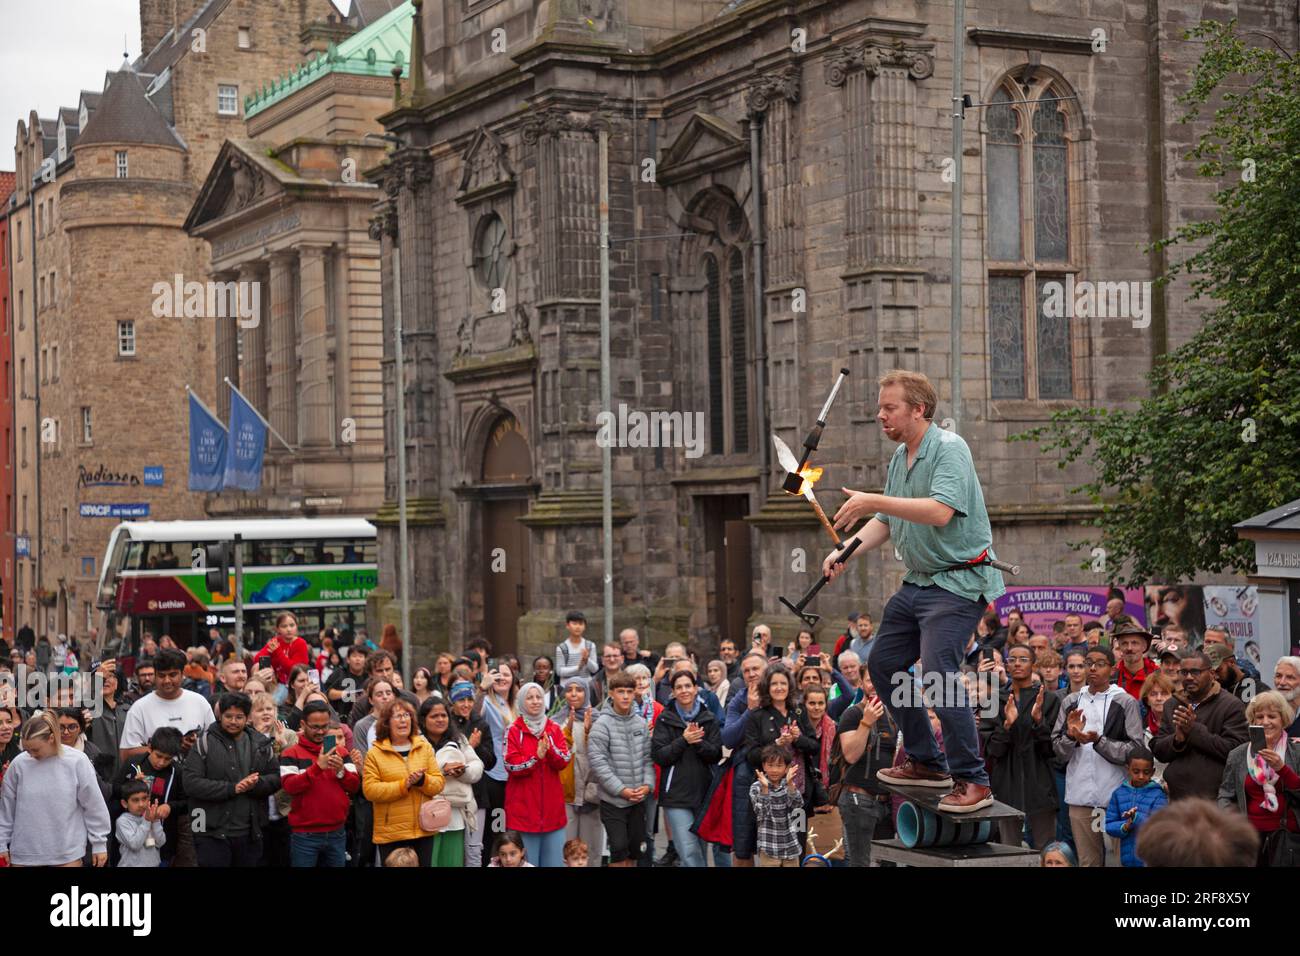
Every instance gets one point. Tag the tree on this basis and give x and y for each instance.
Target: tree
(1219, 439)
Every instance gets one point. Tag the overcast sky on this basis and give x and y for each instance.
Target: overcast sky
(50, 50)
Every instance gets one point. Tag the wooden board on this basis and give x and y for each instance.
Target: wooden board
(928, 798)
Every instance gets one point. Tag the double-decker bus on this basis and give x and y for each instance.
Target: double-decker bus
(153, 578)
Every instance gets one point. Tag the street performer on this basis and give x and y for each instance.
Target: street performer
(933, 509)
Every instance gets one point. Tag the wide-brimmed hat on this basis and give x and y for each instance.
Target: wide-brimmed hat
(1129, 629)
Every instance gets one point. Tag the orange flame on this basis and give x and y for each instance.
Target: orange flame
(810, 477)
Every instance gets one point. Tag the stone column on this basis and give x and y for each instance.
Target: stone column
(316, 389)
(252, 373)
(228, 349)
(284, 359)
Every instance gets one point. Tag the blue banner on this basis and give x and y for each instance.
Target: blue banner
(153, 475)
(207, 447)
(247, 445)
(140, 510)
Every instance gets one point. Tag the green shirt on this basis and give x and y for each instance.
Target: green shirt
(943, 470)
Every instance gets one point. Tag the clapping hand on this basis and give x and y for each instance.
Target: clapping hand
(1036, 714)
(1183, 719)
(543, 745)
(1011, 712)
(694, 733)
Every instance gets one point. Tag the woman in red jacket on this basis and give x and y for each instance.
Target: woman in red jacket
(535, 755)
(285, 649)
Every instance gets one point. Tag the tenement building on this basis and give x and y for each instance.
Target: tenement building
(779, 209)
(101, 362)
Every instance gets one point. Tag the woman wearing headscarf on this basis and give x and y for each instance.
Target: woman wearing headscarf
(686, 744)
(581, 791)
(478, 735)
(535, 754)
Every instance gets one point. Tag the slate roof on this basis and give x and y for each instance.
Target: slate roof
(175, 44)
(1283, 518)
(368, 11)
(125, 115)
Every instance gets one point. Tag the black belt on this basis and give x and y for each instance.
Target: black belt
(975, 562)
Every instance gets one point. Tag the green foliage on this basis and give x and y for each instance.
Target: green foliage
(1219, 440)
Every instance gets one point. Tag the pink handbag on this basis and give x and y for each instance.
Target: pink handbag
(435, 814)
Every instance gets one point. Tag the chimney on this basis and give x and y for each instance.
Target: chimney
(317, 36)
(155, 21)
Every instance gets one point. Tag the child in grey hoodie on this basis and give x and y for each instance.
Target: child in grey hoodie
(139, 831)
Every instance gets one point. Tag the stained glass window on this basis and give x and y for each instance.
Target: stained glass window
(1003, 179)
(1050, 208)
(1055, 379)
(1007, 336)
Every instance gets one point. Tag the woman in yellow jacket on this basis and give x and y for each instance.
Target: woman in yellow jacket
(401, 773)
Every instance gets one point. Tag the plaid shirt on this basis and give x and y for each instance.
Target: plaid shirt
(777, 834)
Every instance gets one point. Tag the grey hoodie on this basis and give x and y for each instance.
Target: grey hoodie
(132, 833)
(51, 808)
(619, 751)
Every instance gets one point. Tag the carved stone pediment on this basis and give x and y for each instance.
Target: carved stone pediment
(247, 184)
(487, 170)
(705, 142)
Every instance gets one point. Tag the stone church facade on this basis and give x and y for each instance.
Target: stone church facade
(807, 138)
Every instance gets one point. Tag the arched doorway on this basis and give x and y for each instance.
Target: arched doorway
(506, 485)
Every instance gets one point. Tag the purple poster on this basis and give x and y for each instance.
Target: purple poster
(1043, 606)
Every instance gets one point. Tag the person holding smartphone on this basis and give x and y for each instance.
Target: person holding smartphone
(1261, 778)
(321, 779)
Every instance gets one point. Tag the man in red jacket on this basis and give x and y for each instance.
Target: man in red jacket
(321, 782)
(285, 649)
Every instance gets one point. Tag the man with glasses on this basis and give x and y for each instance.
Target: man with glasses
(1197, 734)
(1093, 734)
(321, 780)
(611, 662)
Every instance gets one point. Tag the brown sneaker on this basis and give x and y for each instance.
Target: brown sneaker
(966, 797)
(913, 774)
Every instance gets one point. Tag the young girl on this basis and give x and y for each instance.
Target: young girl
(508, 851)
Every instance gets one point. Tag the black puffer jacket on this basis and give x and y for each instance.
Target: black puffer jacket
(211, 771)
(688, 768)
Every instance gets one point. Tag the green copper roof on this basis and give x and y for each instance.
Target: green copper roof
(372, 52)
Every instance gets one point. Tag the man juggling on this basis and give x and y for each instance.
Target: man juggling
(933, 510)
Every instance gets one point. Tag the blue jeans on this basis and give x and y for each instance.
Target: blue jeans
(689, 848)
(545, 849)
(318, 849)
(932, 625)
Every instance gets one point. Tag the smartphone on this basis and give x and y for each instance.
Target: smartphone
(1257, 741)
(492, 663)
(329, 743)
(986, 653)
(814, 650)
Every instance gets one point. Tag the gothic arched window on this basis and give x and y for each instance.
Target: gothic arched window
(1029, 131)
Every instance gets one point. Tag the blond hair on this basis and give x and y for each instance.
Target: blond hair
(43, 724)
(1270, 700)
(917, 390)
